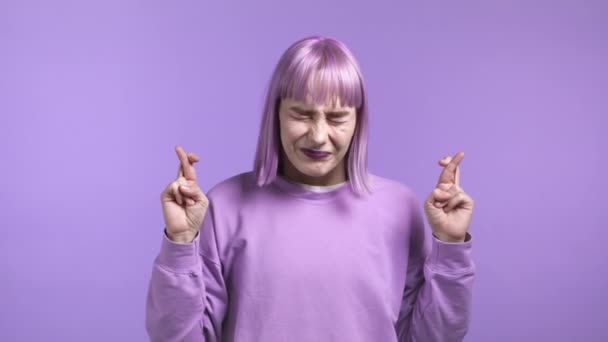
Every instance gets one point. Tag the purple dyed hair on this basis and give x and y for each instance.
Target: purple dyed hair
(337, 76)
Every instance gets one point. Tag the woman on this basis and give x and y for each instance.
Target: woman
(309, 246)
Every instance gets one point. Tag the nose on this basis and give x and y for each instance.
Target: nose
(318, 133)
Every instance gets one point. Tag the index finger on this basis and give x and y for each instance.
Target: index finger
(187, 170)
(450, 172)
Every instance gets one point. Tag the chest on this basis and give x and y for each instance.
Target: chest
(317, 250)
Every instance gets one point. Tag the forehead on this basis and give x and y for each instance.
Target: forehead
(308, 103)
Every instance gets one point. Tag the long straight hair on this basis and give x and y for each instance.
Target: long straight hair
(324, 70)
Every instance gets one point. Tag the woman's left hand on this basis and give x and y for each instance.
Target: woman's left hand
(448, 208)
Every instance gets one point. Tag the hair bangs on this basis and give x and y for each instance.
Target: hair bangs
(323, 77)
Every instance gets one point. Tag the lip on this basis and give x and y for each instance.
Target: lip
(315, 155)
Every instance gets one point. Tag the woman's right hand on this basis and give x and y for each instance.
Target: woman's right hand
(184, 204)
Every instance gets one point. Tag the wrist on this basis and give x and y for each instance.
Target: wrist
(185, 237)
(450, 239)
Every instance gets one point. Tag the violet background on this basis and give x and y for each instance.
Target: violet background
(94, 95)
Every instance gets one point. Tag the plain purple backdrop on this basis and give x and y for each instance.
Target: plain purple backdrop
(95, 95)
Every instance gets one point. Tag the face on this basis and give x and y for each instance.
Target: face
(315, 141)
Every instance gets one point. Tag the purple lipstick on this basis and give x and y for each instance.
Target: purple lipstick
(315, 155)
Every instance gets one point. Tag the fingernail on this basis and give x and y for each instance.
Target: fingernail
(185, 187)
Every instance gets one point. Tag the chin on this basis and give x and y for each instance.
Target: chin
(314, 171)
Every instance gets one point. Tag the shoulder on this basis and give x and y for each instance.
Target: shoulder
(394, 195)
(383, 187)
(399, 210)
(233, 188)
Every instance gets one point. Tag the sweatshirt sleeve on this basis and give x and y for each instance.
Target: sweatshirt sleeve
(437, 298)
(187, 297)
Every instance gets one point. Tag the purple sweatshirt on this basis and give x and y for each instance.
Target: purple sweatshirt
(287, 263)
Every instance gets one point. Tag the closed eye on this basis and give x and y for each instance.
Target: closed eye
(337, 121)
(302, 116)
(336, 117)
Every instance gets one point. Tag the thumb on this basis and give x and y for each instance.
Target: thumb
(193, 191)
(436, 200)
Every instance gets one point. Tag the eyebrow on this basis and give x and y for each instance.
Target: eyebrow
(311, 111)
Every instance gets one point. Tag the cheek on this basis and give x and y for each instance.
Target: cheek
(291, 131)
(343, 135)
(294, 130)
